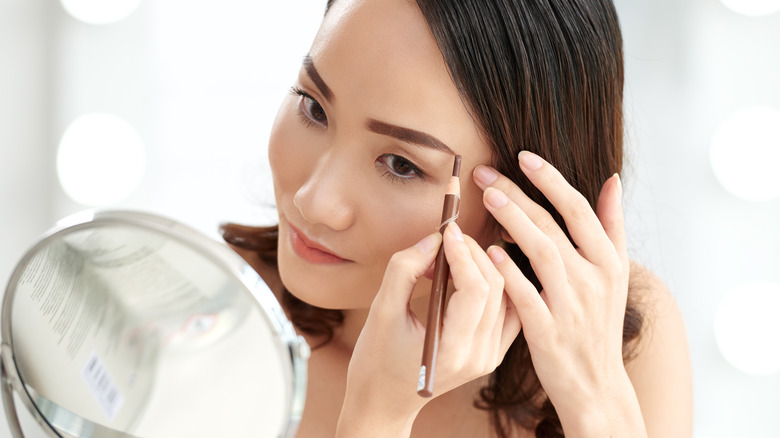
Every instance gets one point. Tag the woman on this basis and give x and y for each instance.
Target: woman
(549, 329)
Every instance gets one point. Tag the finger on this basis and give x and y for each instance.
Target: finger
(467, 303)
(473, 318)
(486, 177)
(582, 223)
(512, 325)
(609, 210)
(507, 327)
(497, 328)
(532, 312)
(542, 252)
(403, 271)
(492, 315)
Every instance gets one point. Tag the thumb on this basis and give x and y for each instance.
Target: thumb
(403, 271)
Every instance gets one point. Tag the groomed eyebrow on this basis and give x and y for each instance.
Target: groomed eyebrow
(308, 65)
(404, 134)
(408, 135)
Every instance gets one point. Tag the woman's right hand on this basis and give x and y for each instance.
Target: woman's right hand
(479, 325)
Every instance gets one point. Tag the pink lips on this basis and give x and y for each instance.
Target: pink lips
(312, 251)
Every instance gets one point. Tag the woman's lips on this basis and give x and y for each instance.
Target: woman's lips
(310, 250)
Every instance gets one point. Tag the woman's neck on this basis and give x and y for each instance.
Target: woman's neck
(347, 333)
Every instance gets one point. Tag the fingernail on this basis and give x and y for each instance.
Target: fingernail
(530, 160)
(619, 189)
(496, 198)
(456, 232)
(496, 254)
(485, 175)
(428, 243)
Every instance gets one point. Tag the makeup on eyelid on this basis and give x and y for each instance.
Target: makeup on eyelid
(441, 272)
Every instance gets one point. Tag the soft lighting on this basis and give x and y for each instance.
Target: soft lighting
(100, 11)
(101, 160)
(747, 329)
(745, 152)
(753, 8)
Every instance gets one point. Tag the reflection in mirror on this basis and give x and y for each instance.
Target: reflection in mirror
(127, 324)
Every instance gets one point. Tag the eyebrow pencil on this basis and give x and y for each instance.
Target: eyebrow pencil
(441, 273)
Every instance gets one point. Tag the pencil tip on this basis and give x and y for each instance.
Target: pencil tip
(456, 166)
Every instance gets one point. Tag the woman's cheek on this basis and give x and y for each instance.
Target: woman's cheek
(410, 218)
(287, 148)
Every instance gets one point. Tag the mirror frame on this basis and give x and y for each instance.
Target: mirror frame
(288, 342)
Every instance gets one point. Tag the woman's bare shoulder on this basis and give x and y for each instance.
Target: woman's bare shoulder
(661, 370)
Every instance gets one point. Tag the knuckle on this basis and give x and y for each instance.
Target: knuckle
(547, 252)
(579, 209)
(547, 224)
(482, 290)
(591, 288)
(396, 260)
(505, 185)
(509, 188)
(400, 263)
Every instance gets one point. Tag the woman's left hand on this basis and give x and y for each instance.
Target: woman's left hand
(574, 325)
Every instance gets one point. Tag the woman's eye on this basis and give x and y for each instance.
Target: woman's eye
(398, 167)
(310, 110)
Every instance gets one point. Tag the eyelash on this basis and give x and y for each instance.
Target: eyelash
(307, 119)
(310, 121)
(415, 171)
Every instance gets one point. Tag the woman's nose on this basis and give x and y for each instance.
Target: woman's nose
(326, 199)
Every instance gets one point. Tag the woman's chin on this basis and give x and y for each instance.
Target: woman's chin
(320, 293)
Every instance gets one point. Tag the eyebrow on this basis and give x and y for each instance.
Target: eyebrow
(408, 135)
(308, 65)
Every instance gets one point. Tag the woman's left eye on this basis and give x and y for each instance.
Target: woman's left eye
(398, 167)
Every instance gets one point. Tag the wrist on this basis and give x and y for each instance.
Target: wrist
(613, 411)
(365, 415)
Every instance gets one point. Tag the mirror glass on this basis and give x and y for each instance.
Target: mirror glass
(128, 324)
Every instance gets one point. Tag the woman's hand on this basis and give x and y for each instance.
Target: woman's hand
(574, 325)
(479, 325)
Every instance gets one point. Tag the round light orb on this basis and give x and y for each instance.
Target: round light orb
(753, 8)
(747, 329)
(101, 160)
(100, 11)
(745, 151)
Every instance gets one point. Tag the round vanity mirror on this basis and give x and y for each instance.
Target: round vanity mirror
(125, 324)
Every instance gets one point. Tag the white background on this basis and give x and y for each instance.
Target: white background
(201, 80)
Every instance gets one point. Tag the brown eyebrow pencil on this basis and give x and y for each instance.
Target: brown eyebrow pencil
(441, 273)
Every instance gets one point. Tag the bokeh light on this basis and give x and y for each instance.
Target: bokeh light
(747, 329)
(745, 152)
(753, 8)
(100, 11)
(101, 160)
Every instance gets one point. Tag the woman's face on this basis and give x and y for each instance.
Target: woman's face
(362, 151)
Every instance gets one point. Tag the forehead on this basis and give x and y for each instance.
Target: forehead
(381, 61)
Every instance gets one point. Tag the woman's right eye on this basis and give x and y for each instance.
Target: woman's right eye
(311, 112)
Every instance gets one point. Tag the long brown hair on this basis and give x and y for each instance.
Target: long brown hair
(544, 76)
